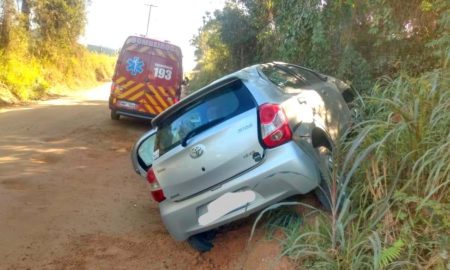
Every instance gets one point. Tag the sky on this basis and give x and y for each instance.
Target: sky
(111, 22)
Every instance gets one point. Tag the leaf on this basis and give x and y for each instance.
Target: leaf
(388, 255)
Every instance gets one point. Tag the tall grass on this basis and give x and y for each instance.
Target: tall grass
(22, 78)
(29, 77)
(396, 173)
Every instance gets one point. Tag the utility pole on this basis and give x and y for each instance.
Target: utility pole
(149, 13)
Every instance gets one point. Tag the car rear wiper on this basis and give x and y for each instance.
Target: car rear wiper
(200, 129)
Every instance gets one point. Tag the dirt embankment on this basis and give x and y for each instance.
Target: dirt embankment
(69, 198)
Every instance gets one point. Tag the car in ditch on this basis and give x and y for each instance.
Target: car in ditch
(241, 144)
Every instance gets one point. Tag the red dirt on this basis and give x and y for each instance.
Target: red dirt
(69, 198)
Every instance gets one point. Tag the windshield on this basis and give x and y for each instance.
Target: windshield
(211, 110)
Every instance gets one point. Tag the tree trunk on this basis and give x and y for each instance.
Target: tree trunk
(7, 20)
(25, 9)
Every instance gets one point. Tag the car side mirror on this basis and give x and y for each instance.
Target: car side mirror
(142, 153)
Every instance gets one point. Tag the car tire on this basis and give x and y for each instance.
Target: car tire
(323, 191)
(115, 115)
(202, 242)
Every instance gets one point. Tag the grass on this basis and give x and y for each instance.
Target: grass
(25, 77)
(396, 173)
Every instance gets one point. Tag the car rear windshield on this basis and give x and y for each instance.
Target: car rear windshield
(222, 104)
(291, 79)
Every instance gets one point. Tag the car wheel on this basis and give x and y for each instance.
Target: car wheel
(115, 115)
(323, 191)
(202, 242)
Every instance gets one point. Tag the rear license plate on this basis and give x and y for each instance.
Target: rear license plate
(126, 104)
(225, 204)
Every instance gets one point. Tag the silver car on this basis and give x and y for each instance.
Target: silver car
(239, 145)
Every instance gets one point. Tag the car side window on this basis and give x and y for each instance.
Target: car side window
(290, 79)
(306, 75)
(286, 81)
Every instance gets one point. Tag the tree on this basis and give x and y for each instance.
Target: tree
(8, 17)
(224, 43)
(237, 33)
(60, 22)
(211, 53)
(25, 9)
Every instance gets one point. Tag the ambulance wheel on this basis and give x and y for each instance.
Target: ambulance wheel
(115, 115)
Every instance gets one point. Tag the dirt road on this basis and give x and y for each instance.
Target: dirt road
(69, 198)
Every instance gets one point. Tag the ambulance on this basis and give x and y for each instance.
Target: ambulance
(147, 78)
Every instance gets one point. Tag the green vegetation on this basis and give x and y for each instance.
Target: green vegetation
(40, 53)
(395, 171)
(397, 174)
(357, 41)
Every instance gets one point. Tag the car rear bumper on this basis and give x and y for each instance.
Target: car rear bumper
(135, 114)
(285, 171)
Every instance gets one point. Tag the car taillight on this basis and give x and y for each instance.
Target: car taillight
(275, 128)
(155, 188)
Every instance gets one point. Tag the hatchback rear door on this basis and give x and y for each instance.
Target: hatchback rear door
(210, 139)
(163, 82)
(148, 75)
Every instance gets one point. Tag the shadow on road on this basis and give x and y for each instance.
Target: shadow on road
(65, 171)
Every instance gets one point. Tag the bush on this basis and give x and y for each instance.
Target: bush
(397, 172)
(20, 77)
(28, 77)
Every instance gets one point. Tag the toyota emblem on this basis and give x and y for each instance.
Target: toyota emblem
(197, 151)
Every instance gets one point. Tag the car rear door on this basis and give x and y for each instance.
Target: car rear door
(130, 76)
(210, 139)
(311, 88)
(335, 114)
(164, 80)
